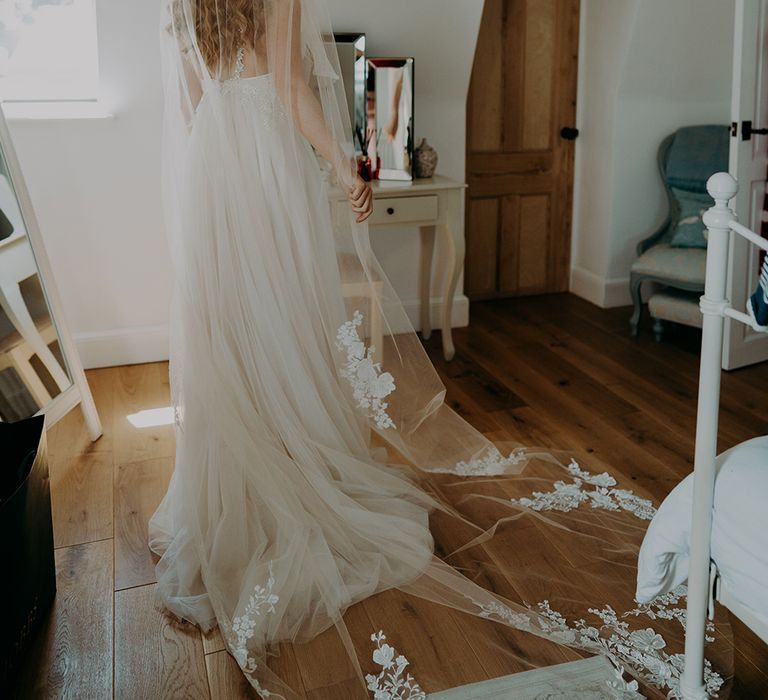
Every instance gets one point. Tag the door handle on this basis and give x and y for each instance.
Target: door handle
(569, 133)
(747, 130)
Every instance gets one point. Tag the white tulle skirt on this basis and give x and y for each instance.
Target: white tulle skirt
(274, 478)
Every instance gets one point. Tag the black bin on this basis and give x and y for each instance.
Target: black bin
(28, 586)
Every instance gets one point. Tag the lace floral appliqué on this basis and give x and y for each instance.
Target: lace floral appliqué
(391, 684)
(568, 496)
(492, 610)
(667, 607)
(493, 464)
(369, 384)
(262, 600)
(643, 650)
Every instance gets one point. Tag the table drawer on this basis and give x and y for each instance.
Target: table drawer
(400, 210)
(395, 210)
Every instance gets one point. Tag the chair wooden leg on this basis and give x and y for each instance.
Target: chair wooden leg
(658, 329)
(635, 284)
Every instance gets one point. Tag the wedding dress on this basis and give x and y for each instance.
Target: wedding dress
(281, 511)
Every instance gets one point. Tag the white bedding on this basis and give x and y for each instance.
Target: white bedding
(739, 532)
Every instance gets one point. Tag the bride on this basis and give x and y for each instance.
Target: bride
(302, 448)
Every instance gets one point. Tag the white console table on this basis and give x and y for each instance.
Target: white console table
(435, 206)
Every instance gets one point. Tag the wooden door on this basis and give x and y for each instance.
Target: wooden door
(749, 164)
(519, 166)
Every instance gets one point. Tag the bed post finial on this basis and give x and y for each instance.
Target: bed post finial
(722, 187)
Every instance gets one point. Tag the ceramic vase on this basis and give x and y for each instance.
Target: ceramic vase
(425, 160)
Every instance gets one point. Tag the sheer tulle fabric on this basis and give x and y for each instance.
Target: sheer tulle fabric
(281, 512)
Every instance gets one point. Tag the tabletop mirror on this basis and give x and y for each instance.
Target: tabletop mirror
(351, 50)
(390, 105)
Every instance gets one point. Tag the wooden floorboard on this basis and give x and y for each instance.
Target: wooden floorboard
(72, 657)
(550, 371)
(81, 498)
(69, 437)
(155, 656)
(138, 388)
(322, 662)
(139, 487)
(225, 679)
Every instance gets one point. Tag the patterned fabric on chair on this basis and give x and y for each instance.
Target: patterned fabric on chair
(686, 159)
(679, 264)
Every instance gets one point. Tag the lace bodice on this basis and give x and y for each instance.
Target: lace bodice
(255, 92)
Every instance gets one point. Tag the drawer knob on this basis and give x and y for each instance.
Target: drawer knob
(390, 210)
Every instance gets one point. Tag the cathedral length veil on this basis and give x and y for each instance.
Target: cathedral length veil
(308, 460)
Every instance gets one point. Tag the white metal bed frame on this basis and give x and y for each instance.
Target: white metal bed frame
(702, 574)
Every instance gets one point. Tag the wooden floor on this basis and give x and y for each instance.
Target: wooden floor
(554, 367)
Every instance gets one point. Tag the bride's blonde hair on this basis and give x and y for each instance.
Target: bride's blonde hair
(221, 27)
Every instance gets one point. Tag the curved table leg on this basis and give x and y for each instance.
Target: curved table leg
(454, 246)
(427, 234)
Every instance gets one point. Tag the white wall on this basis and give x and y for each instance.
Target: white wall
(95, 183)
(647, 67)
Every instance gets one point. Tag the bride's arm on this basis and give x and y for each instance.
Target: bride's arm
(288, 69)
(305, 108)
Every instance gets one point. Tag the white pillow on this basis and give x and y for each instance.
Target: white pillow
(738, 532)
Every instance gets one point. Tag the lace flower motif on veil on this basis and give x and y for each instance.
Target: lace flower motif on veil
(369, 384)
(637, 647)
(568, 496)
(263, 599)
(392, 683)
(492, 464)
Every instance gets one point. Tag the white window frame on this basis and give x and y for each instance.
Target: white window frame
(76, 99)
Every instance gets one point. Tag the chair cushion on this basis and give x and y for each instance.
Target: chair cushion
(676, 305)
(674, 264)
(688, 230)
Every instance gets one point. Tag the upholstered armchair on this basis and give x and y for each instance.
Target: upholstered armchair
(675, 254)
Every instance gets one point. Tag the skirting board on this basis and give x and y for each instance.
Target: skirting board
(603, 292)
(132, 346)
(122, 346)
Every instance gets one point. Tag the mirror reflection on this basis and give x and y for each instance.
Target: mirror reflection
(390, 118)
(351, 51)
(32, 369)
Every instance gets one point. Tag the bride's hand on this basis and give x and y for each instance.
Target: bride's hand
(360, 196)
